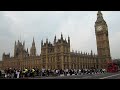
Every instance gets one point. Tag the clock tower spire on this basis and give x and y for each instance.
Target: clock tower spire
(102, 40)
(99, 16)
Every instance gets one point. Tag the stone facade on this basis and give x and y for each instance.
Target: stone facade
(53, 56)
(57, 55)
(102, 39)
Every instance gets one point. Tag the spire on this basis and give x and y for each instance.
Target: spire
(42, 42)
(46, 40)
(15, 44)
(68, 39)
(33, 49)
(99, 13)
(91, 52)
(55, 39)
(61, 36)
(33, 43)
(99, 16)
(33, 40)
(24, 44)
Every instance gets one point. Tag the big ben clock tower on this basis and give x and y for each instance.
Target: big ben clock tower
(102, 40)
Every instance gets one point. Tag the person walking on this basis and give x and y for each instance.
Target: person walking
(18, 73)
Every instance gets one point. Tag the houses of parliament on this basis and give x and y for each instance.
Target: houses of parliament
(57, 55)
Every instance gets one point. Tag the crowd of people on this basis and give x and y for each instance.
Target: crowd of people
(35, 72)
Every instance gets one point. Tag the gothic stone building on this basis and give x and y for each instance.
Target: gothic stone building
(57, 55)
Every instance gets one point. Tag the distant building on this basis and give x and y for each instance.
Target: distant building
(57, 55)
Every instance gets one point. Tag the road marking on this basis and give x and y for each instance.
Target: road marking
(109, 76)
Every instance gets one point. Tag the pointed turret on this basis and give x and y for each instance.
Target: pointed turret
(33, 49)
(18, 41)
(24, 44)
(33, 40)
(46, 40)
(41, 42)
(15, 43)
(55, 39)
(61, 36)
(27, 52)
(33, 43)
(100, 17)
(68, 39)
(15, 49)
(91, 52)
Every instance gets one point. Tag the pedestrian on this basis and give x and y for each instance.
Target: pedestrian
(18, 73)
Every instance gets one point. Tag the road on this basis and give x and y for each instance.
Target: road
(89, 76)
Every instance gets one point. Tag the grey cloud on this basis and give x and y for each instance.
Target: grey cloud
(5, 34)
(78, 25)
(5, 24)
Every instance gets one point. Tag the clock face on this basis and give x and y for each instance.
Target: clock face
(99, 28)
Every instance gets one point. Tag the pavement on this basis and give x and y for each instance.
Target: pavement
(86, 76)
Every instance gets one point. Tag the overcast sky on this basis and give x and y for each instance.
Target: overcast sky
(79, 25)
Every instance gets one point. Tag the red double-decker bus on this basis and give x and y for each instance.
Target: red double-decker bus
(112, 67)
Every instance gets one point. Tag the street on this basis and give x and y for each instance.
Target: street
(86, 76)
